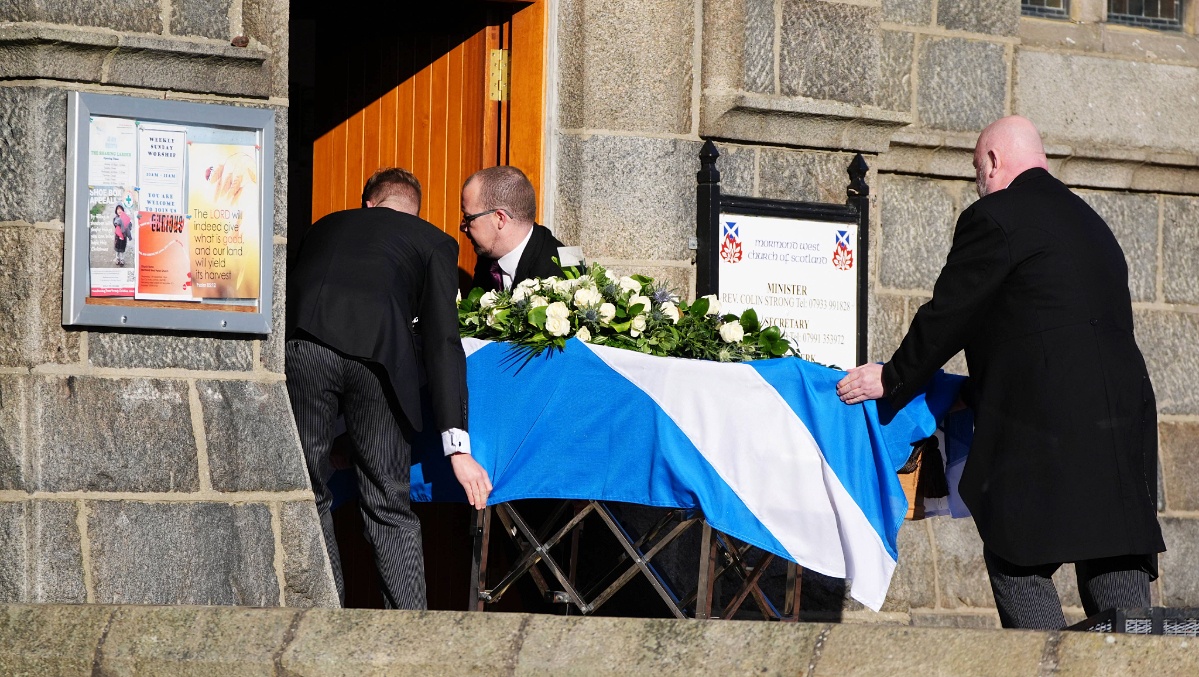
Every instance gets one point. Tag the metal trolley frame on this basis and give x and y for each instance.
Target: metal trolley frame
(719, 556)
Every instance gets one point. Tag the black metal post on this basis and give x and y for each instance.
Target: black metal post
(707, 221)
(858, 196)
(481, 536)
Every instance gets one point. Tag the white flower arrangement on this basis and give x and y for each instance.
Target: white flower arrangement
(631, 312)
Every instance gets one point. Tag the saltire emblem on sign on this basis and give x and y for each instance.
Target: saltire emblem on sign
(730, 243)
(842, 254)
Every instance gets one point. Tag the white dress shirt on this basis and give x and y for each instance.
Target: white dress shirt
(455, 441)
(509, 261)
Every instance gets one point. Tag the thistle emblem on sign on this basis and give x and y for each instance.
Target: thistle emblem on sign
(842, 254)
(730, 243)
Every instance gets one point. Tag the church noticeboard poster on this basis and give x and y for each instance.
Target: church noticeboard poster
(169, 206)
(797, 274)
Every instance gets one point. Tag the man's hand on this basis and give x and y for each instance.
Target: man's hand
(473, 479)
(861, 384)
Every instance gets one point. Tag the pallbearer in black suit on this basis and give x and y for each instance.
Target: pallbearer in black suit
(498, 208)
(1064, 462)
(364, 283)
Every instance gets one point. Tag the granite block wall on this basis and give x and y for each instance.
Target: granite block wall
(139, 467)
(789, 89)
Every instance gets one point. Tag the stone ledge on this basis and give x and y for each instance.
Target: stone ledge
(949, 155)
(800, 121)
(148, 640)
(157, 62)
(1107, 39)
(928, 138)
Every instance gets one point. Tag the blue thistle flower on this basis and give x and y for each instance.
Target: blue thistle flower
(661, 295)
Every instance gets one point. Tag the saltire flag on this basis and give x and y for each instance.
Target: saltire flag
(764, 449)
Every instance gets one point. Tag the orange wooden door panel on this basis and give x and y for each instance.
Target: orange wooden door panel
(526, 110)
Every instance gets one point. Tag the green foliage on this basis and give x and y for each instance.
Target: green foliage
(633, 313)
(749, 320)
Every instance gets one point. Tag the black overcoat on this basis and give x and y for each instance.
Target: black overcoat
(1064, 461)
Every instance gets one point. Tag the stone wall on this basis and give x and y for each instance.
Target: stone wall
(790, 89)
(138, 466)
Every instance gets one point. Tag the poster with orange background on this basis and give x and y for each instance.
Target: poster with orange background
(163, 264)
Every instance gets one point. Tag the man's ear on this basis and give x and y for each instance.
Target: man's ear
(369, 204)
(994, 161)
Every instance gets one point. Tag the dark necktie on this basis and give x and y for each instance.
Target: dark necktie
(497, 274)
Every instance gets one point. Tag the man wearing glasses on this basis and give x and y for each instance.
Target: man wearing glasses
(498, 208)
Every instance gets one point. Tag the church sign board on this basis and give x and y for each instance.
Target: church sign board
(800, 265)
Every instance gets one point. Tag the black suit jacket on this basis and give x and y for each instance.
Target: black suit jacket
(359, 280)
(1064, 461)
(535, 261)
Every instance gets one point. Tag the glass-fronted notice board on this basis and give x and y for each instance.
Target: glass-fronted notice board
(169, 213)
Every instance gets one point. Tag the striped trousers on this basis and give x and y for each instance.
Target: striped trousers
(1027, 598)
(319, 382)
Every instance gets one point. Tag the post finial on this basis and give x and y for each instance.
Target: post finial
(707, 164)
(857, 178)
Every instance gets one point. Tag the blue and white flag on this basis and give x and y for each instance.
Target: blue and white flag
(764, 449)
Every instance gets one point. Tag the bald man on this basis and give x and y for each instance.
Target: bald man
(1063, 467)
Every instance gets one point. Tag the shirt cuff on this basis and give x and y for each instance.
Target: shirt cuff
(455, 441)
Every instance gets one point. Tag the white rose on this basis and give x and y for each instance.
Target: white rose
(587, 298)
(583, 334)
(491, 318)
(529, 284)
(557, 310)
(557, 326)
(629, 284)
(732, 332)
(563, 287)
(519, 294)
(637, 326)
(646, 304)
(713, 305)
(671, 311)
(607, 312)
(584, 281)
(537, 300)
(487, 300)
